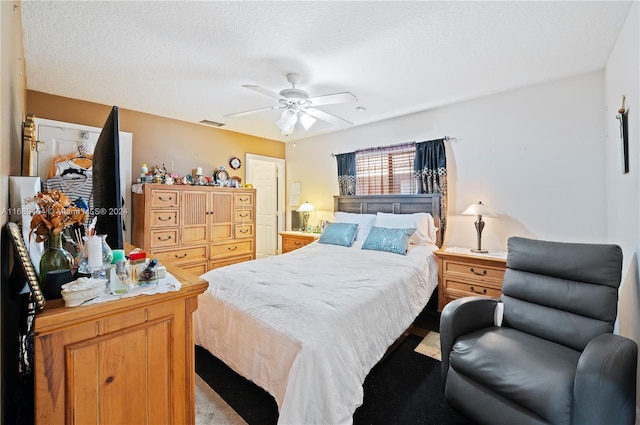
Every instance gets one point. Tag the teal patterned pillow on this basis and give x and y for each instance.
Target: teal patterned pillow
(339, 234)
(390, 240)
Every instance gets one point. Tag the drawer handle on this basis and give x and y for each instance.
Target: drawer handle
(298, 243)
(232, 249)
(475, 291)
(181, 256)
(244, 230)
(244, 199)
(164, 219)
(483, 273)
(244, 215)
(168, 238)
(167, 199)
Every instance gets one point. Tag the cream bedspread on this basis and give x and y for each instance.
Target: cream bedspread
(309, 325)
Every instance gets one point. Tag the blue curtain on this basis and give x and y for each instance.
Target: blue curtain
(430, 170)
(347, 173)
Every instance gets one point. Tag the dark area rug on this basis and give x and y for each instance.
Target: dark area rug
(404, 388)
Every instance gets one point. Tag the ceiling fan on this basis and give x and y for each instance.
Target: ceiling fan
(297, 106)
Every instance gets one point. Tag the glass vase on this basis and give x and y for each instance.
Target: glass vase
(54, 257)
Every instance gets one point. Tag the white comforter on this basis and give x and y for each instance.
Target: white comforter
(309, 325)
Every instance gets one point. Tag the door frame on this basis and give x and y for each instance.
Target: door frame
(280, 167)
(126, 141)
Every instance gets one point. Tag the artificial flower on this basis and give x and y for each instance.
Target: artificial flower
(55, 213)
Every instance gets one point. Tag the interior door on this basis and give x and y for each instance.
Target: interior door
(60, 138)
(264, 177)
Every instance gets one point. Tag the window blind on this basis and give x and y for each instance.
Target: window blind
(386, 170)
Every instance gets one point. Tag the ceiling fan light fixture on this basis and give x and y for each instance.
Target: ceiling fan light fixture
(306, 120)
(287, 120)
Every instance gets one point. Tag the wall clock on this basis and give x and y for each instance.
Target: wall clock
(235, 163)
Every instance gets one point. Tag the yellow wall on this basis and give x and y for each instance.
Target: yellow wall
(158, 140)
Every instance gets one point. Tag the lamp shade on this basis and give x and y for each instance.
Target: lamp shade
(287, 120)
(478, 209)
(306, 207)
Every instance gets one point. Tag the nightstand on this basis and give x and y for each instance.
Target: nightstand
(293, 240)
(462, 273)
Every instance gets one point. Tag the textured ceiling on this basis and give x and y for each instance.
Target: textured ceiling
(189, 60)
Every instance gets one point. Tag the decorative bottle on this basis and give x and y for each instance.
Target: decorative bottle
(54, 257)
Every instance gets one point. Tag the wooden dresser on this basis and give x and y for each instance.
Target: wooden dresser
(198, 228)
(468, 274)
(128, 361)
(292, 240)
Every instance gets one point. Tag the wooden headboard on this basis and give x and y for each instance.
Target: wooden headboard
(396, 204)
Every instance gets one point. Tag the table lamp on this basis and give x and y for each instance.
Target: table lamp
(305, 209)
(479, 210)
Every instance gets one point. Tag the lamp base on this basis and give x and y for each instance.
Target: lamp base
(480, 251)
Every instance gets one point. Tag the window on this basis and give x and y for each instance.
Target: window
(386, 170)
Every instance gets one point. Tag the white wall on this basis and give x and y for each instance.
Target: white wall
(623, 190)
(534, 155)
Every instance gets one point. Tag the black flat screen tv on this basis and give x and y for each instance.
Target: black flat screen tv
(107, 189)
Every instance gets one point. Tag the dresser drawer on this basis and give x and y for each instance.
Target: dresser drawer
(243, 200)
(241, 216)
(182, 255)
(164, 238)
(228, 262)
(163, 198)
(232, 248)
(244, 231)
(475, 271)
(165, 218)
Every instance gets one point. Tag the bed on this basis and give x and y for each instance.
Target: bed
(309, 325)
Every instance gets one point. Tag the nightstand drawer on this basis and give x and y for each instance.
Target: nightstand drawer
(473, 270)
(451, 285)
(463, 274)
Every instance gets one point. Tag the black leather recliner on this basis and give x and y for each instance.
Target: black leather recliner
(554, 359)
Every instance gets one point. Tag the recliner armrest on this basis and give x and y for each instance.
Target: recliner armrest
(605, 384)
(460, 317)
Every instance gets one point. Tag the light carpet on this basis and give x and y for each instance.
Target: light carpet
(430, 346)
(211, 409)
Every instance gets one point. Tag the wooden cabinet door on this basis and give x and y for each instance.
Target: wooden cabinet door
(196, 211)
(221, 216)
(127, 366)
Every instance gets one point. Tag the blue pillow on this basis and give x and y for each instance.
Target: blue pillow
(339, 234)
(390, 240)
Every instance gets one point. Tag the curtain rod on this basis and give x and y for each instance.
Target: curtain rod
(445, 138)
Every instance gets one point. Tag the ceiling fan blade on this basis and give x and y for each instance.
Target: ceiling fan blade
(332, 99)
(264, 91)
(331, 119)
(251, 111)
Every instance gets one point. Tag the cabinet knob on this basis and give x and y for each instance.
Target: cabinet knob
(109, 380)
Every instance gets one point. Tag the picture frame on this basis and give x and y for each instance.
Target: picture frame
(22, 257)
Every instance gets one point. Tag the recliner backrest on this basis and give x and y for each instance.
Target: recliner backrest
(562, 292)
